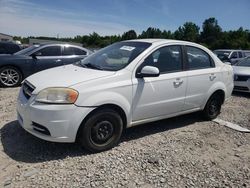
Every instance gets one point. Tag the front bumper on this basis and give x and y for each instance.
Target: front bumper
(56, 123)
(242, 86)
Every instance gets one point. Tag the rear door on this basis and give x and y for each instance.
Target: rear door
(201, 75)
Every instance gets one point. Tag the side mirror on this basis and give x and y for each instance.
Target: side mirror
(34, 55)
(148, 71)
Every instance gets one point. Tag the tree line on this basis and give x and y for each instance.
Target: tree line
(210, 35)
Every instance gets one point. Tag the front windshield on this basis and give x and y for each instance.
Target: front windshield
(244, 63)
(26, 50)
(115, 56)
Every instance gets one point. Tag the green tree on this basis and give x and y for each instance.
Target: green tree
(131, 34)
(211, 32)
(151, 33)
(189, 31)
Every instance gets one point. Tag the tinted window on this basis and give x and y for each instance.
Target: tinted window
(240, 54)
(73, 51)
(166, 59)
(197, 58)
(2, 49)
(50, 51)
(234, 55)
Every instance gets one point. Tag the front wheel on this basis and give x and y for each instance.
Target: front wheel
(213, 107)
(10, 77)
(101, 131)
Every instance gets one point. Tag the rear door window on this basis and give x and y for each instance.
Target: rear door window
(198, 59)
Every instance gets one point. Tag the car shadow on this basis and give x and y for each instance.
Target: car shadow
(241, 94)
(24, 147)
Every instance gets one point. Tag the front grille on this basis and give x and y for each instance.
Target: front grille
(27, 88)
(41, 129)
(241, 88)
(241, 78)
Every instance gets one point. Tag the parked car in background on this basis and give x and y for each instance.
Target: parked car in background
(123, 85)
(230, 56)
(242, 75)
(247, 52)
(9, 48)
(14, 68)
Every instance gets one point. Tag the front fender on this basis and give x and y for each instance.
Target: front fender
(108, 97)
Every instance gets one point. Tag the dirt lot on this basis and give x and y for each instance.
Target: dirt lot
(178, 152)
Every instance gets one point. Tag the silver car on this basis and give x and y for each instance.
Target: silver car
(242, 75)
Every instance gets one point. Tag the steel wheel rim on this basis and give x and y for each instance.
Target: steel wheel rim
(9, 77)
(101, 132)
(213, 107)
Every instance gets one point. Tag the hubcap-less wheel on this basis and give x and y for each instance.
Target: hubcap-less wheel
(9, 77)
(101, 132)
(213, 107)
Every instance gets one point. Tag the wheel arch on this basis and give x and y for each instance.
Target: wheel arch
(219, 92)
(114, 107)
(15, 66)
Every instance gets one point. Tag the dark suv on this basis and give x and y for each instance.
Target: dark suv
(9, 48)
(14, 68)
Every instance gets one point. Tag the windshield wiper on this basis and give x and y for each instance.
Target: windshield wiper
(92, 66)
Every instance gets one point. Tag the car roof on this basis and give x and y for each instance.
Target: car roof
(151, 40)
(167, 41)
(55, 43)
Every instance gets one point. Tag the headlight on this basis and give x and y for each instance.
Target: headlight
(57, 96)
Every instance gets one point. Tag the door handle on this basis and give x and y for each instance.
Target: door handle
(212, 76)
(178, 82)
(58, 60)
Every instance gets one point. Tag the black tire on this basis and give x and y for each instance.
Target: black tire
(10, 77)
(213, 107)
(101, 131)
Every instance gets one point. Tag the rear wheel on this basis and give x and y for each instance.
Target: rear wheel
(101, 131)
(10, 77)
(213, 107)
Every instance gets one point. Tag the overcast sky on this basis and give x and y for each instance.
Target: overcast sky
(79, 17)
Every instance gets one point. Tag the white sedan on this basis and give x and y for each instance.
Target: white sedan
(242, 75)
(125, 84)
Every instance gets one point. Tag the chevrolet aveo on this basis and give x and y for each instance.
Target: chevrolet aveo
(125, 84)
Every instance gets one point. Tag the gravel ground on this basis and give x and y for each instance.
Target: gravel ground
(179, 152)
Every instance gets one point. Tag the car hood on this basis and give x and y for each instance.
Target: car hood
(241, 70)
(65, 76)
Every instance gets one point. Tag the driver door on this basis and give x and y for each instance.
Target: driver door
(47, 57)
(156, 97)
